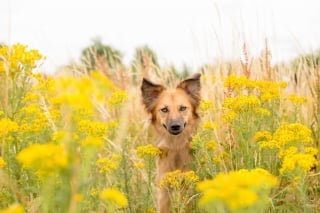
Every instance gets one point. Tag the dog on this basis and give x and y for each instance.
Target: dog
(175, 118)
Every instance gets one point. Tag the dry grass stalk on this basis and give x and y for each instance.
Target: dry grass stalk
(246, 63)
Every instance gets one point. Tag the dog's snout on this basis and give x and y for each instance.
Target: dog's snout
(176, 127)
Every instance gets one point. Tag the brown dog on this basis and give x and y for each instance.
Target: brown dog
(174, 116)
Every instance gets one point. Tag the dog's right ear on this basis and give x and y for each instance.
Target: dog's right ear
(150, 93)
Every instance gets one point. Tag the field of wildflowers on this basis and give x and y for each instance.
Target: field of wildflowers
(80, 141)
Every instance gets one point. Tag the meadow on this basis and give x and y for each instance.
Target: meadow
(80, 141)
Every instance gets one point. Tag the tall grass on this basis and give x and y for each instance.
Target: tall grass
(82, 142)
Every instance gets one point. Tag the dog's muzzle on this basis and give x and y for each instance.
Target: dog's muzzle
(175, 127)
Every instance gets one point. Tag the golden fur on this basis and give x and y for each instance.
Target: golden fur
(174, 116)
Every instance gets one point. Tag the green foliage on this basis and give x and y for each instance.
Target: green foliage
(311, 60)
(98, 55)
(144, 56)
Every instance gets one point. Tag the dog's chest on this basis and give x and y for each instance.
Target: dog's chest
(173, 160)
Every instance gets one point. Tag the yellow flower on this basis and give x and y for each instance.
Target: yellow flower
(7, 126)
(14, 208)
(196, 142)
(2, 163)
(262, 111)
(60, 136)
(74, 93)
(211, 145)
(288, 134)
(271, 144)
(43, 157)
(106, 165)
(297, 99)
(148, 151)
(205, 105)
(34, 120)
(92, 128)
(114, 196)
(117, 98)
(230, 188)
(262, 135)
(178, 179)
(241, 103)
(230, 116)
(311, 151)
(217, 160)
(94, 192)
(270, 90)
(151, 210)
(92, 142)
(78, 197)
(287, 152)
(300, 161)
(103, 80)
(18, 58)
(234, 82)
(209, 125)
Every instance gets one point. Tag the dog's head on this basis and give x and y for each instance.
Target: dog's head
(172, 111)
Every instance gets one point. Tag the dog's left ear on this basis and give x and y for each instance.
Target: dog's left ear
(192, 87)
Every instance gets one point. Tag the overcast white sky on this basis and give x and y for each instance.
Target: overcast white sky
(180, 31)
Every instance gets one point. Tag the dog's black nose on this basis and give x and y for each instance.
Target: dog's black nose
(175, 128)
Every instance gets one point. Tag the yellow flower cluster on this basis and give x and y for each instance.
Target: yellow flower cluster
(294, 144)
(205, 105)
(117, 98)
(102, 81)
(211, 145)
(178, 179)
(14, 208)
(33, 119)
(7, 126)
(237, 189)
(302, 162)
(92, 142)
(268, 90)
(262, 136)
(2, 163)
(209, 125)
(236, 83)
(94, 192)
(18, 58)
(148, 151)
(45, 158)
(106, 165)
(114, 196)
(73, 92)
(92, 128)
(241, 103)
(297, 99)
(196, 142)
(291, 134)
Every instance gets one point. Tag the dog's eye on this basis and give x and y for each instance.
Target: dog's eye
(182, 108)
(164, 109)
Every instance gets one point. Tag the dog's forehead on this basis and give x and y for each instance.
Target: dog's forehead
(173, 97)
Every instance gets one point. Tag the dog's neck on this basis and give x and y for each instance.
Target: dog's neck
(173, 143)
